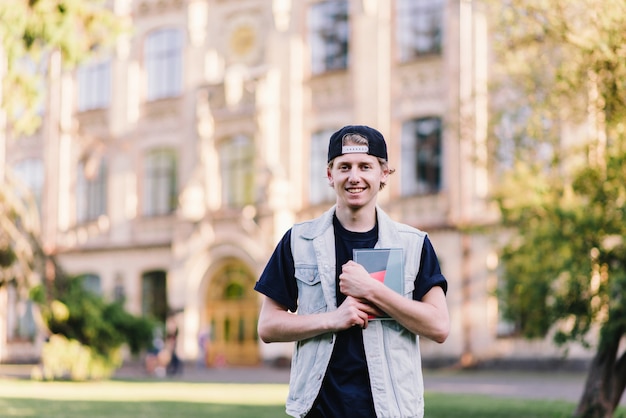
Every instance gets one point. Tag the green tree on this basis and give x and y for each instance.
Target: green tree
(32, 32)
(560, 128)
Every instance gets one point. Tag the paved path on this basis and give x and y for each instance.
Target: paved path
(549, 385)
(566, 386)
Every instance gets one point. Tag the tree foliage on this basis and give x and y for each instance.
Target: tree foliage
(568, 267)
(32, 32)
(29, 31)
(79, 314)
(81, 321)
(560, 130)
(19, 226)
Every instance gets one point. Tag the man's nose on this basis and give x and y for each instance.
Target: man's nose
(354, 175)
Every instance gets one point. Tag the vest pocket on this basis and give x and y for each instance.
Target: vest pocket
(310, 295)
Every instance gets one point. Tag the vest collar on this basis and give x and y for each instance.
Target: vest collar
(387, 237)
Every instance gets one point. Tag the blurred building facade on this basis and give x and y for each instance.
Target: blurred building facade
(168, 169)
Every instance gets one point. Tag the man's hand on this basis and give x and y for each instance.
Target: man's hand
(353, 312)
(355, 281)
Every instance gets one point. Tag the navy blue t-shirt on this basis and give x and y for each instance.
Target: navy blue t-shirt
(345, 391)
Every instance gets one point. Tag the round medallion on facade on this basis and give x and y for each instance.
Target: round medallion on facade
(242, 41)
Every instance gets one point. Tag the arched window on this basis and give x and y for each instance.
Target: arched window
(420, 28)
(160, 189)
(319, 191)
(163, 63)
(237, 170)
(92, 283)
(154, 295)
(30, 172)
(329, 35)
(91, 191)
(20, 325)
(421, 156)
(94, 85)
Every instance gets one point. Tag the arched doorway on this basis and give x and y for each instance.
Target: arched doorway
(232, 313)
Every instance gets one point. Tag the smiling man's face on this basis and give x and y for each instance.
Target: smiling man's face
(356, 179)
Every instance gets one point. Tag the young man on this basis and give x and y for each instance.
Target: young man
(345, 365)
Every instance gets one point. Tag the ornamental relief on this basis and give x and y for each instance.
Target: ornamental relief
(155, 7)
(242, 38)
(420, 79)
(220, 108)
(97, 119)
(331, 91)
(163, 109)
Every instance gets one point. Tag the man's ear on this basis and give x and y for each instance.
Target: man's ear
(329, 176)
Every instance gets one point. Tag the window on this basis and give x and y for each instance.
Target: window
(421, 156)
(91, 283)
(31, 173)
(91, 193)
(20, 324)
(329, 33)
(154, 295)
(237, 169)
(319, 190)
(94, 86)
(160, 183)
(419, 28)
(163, 62)
(119, 291)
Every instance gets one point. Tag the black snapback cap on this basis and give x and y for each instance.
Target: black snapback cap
(376, 142)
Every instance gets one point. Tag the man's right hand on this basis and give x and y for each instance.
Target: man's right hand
(354, 312)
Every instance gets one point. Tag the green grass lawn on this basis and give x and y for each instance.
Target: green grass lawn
(165, 399)
(138, 399)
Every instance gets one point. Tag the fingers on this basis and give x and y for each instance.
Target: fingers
(354, 312)
(346, 286)
(361, 320)
(350, 267)
(372, 309)
(363, 324)
(354, 280)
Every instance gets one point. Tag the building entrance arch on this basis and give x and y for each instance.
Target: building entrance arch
(232, 312)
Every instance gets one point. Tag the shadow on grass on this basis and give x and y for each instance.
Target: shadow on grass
(44, 408)
(440, 405)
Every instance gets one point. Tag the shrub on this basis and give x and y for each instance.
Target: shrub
(86, 332)
(64, 358)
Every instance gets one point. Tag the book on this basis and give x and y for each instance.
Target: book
(383, 264)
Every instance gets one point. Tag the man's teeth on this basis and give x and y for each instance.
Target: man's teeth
(359, 190)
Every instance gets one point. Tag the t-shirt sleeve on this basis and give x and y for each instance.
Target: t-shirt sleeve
(429, 274)
(277, 281)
